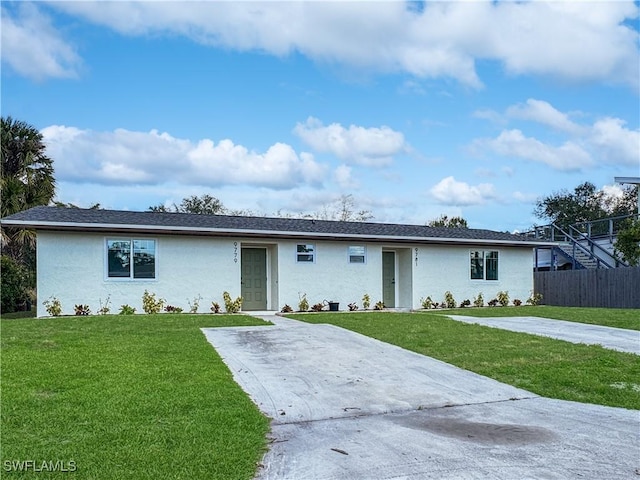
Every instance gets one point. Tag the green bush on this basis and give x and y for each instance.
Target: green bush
(126, 310)
(503, 298)
(449, 301)
(231, 306)
(150, 304)
(628, 243)
(14, 287)
(53, 306)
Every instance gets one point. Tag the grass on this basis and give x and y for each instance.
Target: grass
(141, 396)
(609, 317)
(545, 366)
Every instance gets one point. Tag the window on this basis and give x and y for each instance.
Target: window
(127, 258)
(306, 252)
(484, 265)
(357, 254)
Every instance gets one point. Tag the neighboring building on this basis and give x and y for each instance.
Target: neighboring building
(85, 256)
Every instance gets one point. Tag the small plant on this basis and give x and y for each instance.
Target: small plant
(449, 301)
(493, 303)
(150, 304)
(126, 310)
(286, 309)
(193, 306)
(172, 309)
(503, 298)
(317, 307)
(82, 310)
(104, 309)
(465, 303)
(379, 305)
(215, 307)
(353, 307)
(534, 299)
(517, 302)
(303, 304)
(426, 303)
(478, 301)
(366, 301)
(53, 306)
(231, 306)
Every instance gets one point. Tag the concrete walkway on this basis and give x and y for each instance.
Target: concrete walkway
(347, 406)
(608, 337)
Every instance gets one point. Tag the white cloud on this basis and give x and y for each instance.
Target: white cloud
(451, 192)
(444, 39)
(615, 143)
(126, 157)
(344, 178)
(32, 47)
(360, 145)
(512, 143)
(542, 112)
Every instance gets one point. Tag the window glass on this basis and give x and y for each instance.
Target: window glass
(477, 265)
(128, 258)
(484, 265)
(119, 258)
(305, 252)
(356, 254)
(144, 259)
(492, 265)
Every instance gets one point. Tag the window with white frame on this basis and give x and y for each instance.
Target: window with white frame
(357, 254)
(131, 258)
(484, 265)
(305, 253)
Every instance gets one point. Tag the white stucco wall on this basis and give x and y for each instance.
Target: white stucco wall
(72, 267)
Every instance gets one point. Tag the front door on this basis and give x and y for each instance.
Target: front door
(254, 279)
(389, 279)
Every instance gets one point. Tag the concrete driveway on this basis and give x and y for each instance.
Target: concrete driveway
(347, 406)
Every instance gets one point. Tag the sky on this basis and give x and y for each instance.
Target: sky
(416, 109)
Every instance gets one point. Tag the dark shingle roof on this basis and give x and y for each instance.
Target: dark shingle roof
(61, 218)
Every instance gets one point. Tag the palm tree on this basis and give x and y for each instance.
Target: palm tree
(26, 181)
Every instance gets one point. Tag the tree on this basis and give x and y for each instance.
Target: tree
(584, 204)
(445, 221)
(343, 210)
(628, 243)
(203, 205)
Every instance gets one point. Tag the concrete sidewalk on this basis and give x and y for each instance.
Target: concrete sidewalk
(608, 337)
(348, 406)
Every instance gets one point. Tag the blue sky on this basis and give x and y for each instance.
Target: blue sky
(460, 108)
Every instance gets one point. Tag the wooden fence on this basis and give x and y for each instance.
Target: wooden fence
(608, 288)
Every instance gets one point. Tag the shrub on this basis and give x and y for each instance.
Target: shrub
(126, 310)
(286, 309)
(104, 309)
(534, 299)
(193, 306)
(353, 307)
(82, 310)
(517, 302)
(628, 243)
(503, 298)
(53, 306)
(14, 287)
(465, 303)
(317, 307)
(231, 306)
(449, 301)
(493, 303)
(426, 303)
(172, 309)
(478, 301)
(366, 301)
(150, 304)
(215, 307)
(303, 304)
(379, 305)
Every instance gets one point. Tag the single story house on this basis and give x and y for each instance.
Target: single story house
(85, 256)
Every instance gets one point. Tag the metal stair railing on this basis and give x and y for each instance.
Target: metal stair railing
(604, 227)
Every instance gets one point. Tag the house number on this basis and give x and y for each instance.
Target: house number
(235, 252)
(416, 257)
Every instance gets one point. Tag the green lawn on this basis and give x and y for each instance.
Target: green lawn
(124, 397)
(547, 367)
(628, 318)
